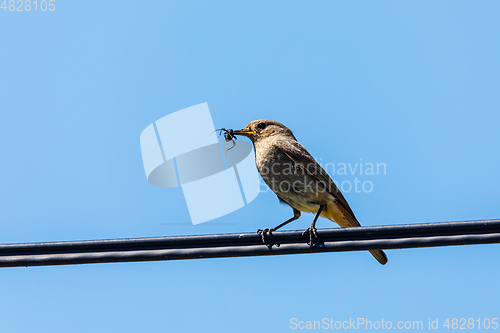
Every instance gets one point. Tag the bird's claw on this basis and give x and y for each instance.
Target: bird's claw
(313, 234)
(263, 234)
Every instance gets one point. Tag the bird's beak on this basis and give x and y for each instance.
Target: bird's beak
(244, 132)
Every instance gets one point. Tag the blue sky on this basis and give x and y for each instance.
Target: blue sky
(414, 85)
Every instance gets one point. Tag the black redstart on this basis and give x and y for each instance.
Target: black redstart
(297, 179)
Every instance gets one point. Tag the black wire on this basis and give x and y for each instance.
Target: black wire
(249, 244)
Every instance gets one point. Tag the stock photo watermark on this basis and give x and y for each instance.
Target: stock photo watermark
(28, 6)
(194, 160)
(273, 182)
(381, 324)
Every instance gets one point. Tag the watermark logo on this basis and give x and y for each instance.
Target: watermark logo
(182, 148)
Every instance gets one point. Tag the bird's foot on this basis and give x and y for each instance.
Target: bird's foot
(263, 234)
(313, 234)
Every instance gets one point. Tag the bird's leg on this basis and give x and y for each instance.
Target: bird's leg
(296, 215)
(312, 229)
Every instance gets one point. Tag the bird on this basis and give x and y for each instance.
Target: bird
(297, 179)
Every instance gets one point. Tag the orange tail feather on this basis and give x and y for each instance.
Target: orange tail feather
(337, 213)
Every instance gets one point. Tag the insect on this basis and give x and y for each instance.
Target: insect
(228, 136)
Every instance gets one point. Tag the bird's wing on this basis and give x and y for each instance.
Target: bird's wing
(302, 159)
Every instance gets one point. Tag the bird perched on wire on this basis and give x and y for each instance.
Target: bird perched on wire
(297, 179)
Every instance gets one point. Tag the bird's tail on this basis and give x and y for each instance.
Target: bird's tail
(337, 213)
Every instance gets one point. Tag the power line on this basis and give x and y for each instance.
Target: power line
(249, 244)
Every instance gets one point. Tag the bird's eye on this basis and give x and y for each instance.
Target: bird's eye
(261, 126)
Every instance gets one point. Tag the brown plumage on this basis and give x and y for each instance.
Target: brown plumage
(297, 179)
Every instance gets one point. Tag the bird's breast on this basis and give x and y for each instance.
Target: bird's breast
(291, 184)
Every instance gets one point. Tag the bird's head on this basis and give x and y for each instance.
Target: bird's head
(263, 128)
